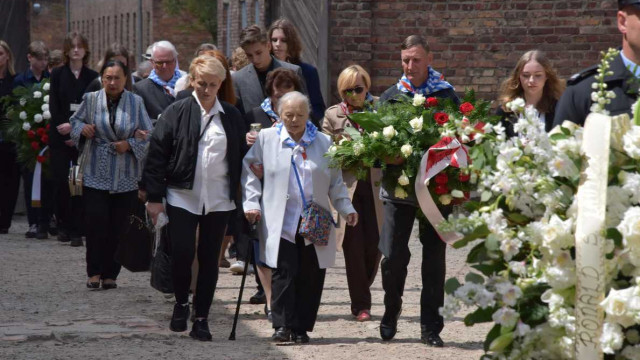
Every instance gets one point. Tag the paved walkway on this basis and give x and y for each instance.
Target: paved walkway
(46, 312)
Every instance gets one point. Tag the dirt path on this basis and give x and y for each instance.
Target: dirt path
(47, 313)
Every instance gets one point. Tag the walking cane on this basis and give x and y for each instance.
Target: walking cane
(252, 231)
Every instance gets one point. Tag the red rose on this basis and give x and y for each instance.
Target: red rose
(466, 108)
(441, 189)
(35, 145)
(464, 177)
(45, 138)
(442, 179)
(31, 134)
(441, 118)
(48, 126)
(467, 195)
(431, 102)
(40, 158)
(40, 131)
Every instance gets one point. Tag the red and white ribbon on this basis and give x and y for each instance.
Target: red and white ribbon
(36, 186)
(447, 152)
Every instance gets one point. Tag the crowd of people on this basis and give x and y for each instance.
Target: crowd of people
(188, 145)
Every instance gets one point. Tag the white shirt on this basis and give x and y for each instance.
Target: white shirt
(293, 209)
(211, 182)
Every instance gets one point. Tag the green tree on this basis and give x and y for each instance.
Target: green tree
(204, 11)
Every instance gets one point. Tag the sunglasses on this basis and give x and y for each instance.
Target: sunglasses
(357, 90)
(162, 63)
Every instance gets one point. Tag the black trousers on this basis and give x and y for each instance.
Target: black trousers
(105, 221)
(296, 286)
(68, 209)
(394, 244)
(360, 247)
(38, 215)
(182, 234)
(9, 182)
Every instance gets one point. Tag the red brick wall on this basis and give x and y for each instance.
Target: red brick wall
(475, 43)
(50, 25)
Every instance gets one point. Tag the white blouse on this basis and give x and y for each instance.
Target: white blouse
(211, 182)
(293, 209)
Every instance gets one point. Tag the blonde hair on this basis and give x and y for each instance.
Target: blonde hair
(207, 64)
(10, 65)
(349, 77)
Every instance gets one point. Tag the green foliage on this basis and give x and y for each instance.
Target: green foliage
(480, 316)
(491, 335)
(451, 285)
(532, 310)
(204, 11)
(478, 233)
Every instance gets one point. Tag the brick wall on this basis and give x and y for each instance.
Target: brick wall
(230, 21)
(50, 25)
(475, 43)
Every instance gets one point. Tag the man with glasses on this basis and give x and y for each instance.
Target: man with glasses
(157, 90)
(399, 214)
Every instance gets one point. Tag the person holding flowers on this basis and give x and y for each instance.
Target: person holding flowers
(360, 242)
(68, 84)
(418, 78)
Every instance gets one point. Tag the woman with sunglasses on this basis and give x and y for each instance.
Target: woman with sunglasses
(360, 243)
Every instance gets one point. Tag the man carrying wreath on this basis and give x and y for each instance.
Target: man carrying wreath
(399, 214)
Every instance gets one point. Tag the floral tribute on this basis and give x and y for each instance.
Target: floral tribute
(28, 125)
(401, 132)
(523, 233)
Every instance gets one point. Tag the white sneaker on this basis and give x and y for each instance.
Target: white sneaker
(237, 268)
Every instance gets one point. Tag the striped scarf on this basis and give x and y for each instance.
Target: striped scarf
(268, 109)
(435, 82)
(167, 85)
(311, 133)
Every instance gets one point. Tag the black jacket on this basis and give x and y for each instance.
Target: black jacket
(575, 103)
(257, 116)
(173, 149)
(155, 97)
(508, 119)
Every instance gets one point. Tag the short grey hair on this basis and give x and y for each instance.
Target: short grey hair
(164, 44)
(294, 97)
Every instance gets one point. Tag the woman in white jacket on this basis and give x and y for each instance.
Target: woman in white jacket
(299, 266)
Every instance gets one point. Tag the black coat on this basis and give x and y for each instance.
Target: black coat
(173, 149)
(6, 85)
(257, 116)
(575, 103)
(65, 90)
(155, 97)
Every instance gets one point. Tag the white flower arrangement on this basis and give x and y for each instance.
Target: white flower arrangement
(389, 132)
(37, 94)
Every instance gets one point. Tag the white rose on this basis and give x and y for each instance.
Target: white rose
(611, 338)
(445, 199)
(400, 193)
(505, 316)
(358, 148)
(418, 100)
(375, 135)
(457, 194)
(403, 179)
(37, 118)
(406, 150)
(23, 101)
(26, 126)
(617, 308)
(389, 132)
(46, 86)
(37, 94)
(333, 149)
(631, 141)
(46, 99)
(416, 123)
(45, 107)
(46, 115)
(23, 115)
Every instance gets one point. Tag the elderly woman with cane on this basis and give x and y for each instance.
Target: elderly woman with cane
(298, 186)
(194, 161)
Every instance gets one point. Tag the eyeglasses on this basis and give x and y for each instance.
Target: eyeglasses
(357, 90)
(162, 63)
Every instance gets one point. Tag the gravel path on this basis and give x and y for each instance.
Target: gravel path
(46, 312)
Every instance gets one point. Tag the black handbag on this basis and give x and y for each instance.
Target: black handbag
(161, 264)
(135, 247)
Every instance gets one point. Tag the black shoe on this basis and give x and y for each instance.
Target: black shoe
(282, 334)
(258, 298)
(42, 234)
(109, 285)
(53, 227)
(267, 312)
(200, 330)
(93, 285)
(76, 241)
(4, 231)
(31, 233)
(300, 337)
(63, 236)
(430, 338)
(179, 318)
(389, 325)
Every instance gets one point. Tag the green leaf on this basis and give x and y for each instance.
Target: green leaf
(474, 278)
(477, 254)
(478, 233)
(368, 121)
(491, 335)
(501, 342)
(614, 234)
(479, 316)
(558, 136)
(489, 269)
(534, 314)
(353, 133)
(518, 218)
(451, 285)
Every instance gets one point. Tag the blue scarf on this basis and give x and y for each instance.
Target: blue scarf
(167, 85)
(435, 82)
(268, 109)
(311, 132)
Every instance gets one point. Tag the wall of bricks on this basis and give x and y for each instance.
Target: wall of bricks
(50, 25)
(475, 43)
(230, 21)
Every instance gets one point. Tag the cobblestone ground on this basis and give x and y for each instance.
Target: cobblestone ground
(46, 312)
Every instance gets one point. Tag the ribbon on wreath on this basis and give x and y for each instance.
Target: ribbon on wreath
(590, 243)
(447, 152)
(36, 186)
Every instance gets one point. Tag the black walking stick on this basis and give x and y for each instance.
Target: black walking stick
(252, 231)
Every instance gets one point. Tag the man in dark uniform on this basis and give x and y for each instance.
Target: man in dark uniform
(575, 103)
(399, 214)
